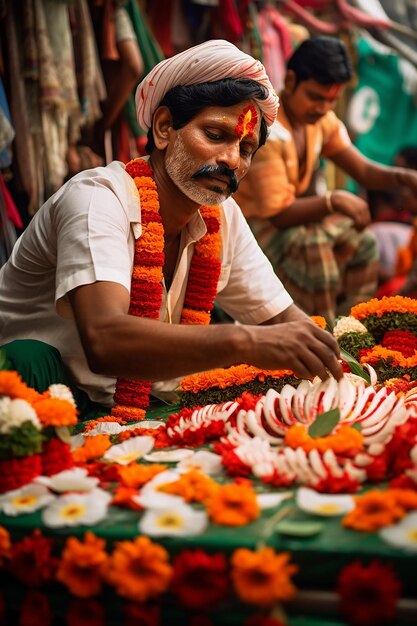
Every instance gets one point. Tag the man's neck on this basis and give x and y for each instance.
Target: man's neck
(287, 109)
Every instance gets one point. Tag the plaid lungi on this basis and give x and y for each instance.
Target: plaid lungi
(327, 266)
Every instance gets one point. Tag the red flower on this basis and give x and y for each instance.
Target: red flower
(15, 473)
(200, 579)
(141, 615)
(85, 613)
(35, 610)
(56, 457)
(337, 484)
(31, 561)
(368, 594)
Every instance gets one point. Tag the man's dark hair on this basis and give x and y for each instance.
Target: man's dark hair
(186, 101)
(324, 59)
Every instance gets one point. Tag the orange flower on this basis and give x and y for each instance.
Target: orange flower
(128, 413)
(191, 317)
(139, 569)
(374, 510)
(107, 418)
(235, 375)
(136, 475)
(152, 274)
(5, 544)
(319, 321)
(82, 564)
(405, 498)
(193, 486)
(264, 577)
(93, 448)
(209, 243)
(123, 497)
(345, 440)
(378, 353)
(12, 385)
(233, 505)
(398, 304)
(55, 412)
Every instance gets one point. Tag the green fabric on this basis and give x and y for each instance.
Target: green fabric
(382, 111)
(41, 365)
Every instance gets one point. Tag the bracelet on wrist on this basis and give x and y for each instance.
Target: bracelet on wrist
(328, 199)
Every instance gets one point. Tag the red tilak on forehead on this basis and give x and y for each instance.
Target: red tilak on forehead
(333, 91)
(247, 122)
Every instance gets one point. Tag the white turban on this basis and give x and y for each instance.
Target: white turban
(207, 62)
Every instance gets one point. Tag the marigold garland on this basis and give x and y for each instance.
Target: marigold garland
(393, 304)
(227, 377)
(131, 396)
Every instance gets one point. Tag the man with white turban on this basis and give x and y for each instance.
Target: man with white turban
(115, 277)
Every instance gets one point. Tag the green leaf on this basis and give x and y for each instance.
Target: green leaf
(357, 426)
(298, 528)
(3, 360)
(355, 367)
(324, 423)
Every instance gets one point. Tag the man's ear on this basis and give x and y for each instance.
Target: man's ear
(290, 82)
(162, 127)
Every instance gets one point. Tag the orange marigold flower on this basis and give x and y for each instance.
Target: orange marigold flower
(139, 569)
(82, 564)
(378, 353)
(55, 412)
(235, 375)
(107, 418)
(405, 498)
(193, 486)
(137, 475)
(122, 496)
(262, 577)
(319, 321)
(233, 505)
(12, 385)
(5, 544)
(374, 510)
(192, 317)
(152, 274)
(128, 413)
(209, 245)
(399, 304)
(345, 440)
(93, 448)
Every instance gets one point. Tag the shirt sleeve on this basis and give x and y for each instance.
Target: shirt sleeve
(335, 135)
(93, 232)
(249, 290)
(266, 190)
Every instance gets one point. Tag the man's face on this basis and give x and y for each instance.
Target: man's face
(211, 154)
(309, 100)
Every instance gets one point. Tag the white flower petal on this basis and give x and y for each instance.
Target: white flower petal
(144, 424)
(324, 504)
(77, 441)
(181, 521)
(105, 428)
(271, 500)
(130, 450)
(403, 535)
(25, 500)
(62, 392)
(14, 413)
(203, 461)
(151, 497)
(169, 456)
(76, 509)
(75, 479)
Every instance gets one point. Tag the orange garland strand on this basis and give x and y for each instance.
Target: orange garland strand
(132, 396)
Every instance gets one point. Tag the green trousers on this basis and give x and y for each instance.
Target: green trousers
(41, 365)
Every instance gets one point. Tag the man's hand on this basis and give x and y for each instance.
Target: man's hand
(352, 206)
(300, 346)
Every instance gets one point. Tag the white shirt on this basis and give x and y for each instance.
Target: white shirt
(86, 233)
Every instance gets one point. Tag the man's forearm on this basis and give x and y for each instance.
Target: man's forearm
(302, 211)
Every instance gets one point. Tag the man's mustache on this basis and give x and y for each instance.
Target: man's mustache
(218, 170)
